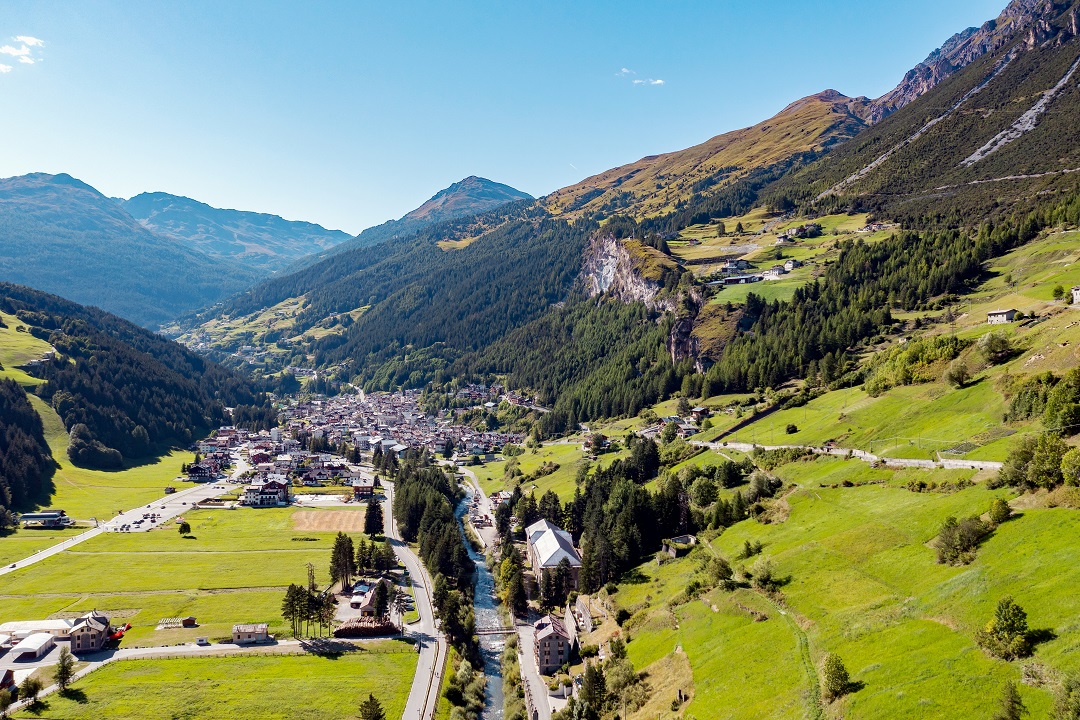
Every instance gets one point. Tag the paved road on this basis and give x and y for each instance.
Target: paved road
(167, 507)
(860, 455)
(424, 694)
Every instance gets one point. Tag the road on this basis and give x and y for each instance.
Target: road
(424, 694)
(167, 507)
(859, 455)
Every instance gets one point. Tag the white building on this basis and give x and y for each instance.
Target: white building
(1000, 317)
(35, 646)
(548, 545)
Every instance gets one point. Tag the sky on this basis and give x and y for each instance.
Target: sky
(351, 113)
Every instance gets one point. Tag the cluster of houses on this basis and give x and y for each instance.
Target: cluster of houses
(34, 639)
(809, 230)
(684, 426)
(737, 272)
(394, 423)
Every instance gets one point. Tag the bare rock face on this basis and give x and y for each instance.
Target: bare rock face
(1034, 22)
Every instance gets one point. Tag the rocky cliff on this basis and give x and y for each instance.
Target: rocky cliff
(1031, 21)
(611, 268)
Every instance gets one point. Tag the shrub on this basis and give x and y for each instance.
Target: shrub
(835, 680)
(957, 374)
(957, 540)
(999, 511)
(791, 429)
(622, 616)
(995, 347)
(589, 650)
(1067, 699)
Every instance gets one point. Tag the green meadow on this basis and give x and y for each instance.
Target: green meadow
(233, 570)
(861, 580)
(235, 688)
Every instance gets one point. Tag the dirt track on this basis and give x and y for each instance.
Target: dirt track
(329, 520)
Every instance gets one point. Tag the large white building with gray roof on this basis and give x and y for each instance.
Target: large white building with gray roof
(548, 545)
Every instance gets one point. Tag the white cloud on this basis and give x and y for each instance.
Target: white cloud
(23, 51)
(628, 74)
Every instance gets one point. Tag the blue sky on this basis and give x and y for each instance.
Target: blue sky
(351, 113)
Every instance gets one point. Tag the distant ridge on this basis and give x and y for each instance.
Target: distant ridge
(262, 241)
(60, 235)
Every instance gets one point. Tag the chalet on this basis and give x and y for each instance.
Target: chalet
(792, 264)
(363, 487)
(202, 472)
(90, 633)
(250, 634)
(553, 644)
(548, 545)
(270, 493)
(699, 413)
(1000, 317)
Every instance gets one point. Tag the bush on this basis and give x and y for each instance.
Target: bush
(999, 511)
(791, 429)
(957, 374)
(622, 616)
(589, 650)
(995, 347)
(957, 540)
(835, 680)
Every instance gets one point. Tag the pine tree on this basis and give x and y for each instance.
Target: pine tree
(65, 668)
(373, 518)
(371, 709)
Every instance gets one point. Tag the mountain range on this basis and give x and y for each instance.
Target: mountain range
(264, 242)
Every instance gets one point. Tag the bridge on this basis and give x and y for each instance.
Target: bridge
(497, 631)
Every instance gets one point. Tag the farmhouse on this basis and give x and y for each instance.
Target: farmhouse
(548, 545)
(1076, 295)
(553, 644)
(249, 634)
(90, 633)
(1000, 317)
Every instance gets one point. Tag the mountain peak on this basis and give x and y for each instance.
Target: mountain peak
(468, 196)
(1030, 21)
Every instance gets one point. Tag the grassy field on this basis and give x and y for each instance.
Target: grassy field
(233, 570)
(861, 581)
(235, 688)
(25, 543)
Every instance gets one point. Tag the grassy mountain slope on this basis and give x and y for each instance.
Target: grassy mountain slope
(60, 235)
(660, 183)
(257, 240)
(923, 164)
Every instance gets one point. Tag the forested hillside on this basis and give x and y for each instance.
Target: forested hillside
(60, 235)
(25, 462)
(122, 391)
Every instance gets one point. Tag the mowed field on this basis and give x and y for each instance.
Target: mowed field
(233, 570)
(860, 580)
(236, 688)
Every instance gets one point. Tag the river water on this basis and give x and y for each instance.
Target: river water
(487, 618)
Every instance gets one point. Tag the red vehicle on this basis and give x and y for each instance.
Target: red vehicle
(120, 632)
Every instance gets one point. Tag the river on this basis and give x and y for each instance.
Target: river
(487, 618)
